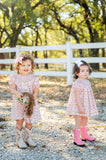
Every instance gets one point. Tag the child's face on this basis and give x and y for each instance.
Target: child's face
(25, 67)
(84, 72)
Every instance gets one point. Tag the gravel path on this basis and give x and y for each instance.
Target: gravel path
(53, 135)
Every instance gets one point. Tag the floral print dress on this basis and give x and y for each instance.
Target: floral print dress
(24, 84)
(86, 98)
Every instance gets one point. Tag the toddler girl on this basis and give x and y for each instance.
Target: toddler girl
(81, 102)
(24, 81)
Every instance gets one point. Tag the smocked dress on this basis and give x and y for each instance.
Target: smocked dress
(86, 98)
(24, 84)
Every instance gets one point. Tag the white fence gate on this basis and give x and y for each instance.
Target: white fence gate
(69, 60)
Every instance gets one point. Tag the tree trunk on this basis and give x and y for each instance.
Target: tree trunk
(13, 42)
(36, 44)
(45, 56)
(94, 53)
(45, 52)
(103, 55)
(2, 66)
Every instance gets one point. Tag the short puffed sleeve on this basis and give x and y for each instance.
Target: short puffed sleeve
(36, 82)
(89, 83)
(77, 86)
(12, 80)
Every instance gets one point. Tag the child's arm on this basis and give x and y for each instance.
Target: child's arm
(81, 109)
(35, 92)
(13, 90)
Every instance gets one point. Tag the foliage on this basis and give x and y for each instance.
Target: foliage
(17, 15)
(84, 20)
(49, 22)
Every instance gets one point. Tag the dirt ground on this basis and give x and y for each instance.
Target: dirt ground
(53, 135)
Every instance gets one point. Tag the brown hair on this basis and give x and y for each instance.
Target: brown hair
(30, 103)
(26, 56)
(76, 69)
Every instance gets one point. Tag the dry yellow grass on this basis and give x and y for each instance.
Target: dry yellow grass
(55, 88)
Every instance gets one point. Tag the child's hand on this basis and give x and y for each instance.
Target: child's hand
(81, 111)
(19, 95)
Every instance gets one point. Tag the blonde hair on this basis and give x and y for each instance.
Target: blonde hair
(26, 56)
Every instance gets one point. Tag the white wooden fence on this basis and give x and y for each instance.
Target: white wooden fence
(69, 60)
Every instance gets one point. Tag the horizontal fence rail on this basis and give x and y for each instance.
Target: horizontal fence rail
(89, 45)
(69, 60)
(92, 60)
(59, 60)
(46, 60)
(43, 48)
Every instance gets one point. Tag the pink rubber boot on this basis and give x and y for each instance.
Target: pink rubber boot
(85, 136)
(77, 140)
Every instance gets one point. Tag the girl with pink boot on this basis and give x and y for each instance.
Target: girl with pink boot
(81, 103)
(24, 81)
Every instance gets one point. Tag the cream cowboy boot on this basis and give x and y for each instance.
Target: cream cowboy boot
(19, 140)
(28, 137)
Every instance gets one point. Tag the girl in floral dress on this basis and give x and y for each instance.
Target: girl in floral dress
(81, 102)
(24, 81)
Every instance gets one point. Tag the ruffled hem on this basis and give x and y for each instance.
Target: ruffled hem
(85, 115)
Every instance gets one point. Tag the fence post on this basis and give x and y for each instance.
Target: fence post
(69, 63)
(17, 50)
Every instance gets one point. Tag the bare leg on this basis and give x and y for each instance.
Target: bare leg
(84, 121)
(29, 126)
(77, 122)
(19, 124)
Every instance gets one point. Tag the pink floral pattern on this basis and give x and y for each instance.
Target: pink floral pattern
(86, 97)
(24, 84)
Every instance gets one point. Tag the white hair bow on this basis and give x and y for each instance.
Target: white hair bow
(78, 63)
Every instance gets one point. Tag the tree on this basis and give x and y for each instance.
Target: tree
(84, 20)
(17, 15)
